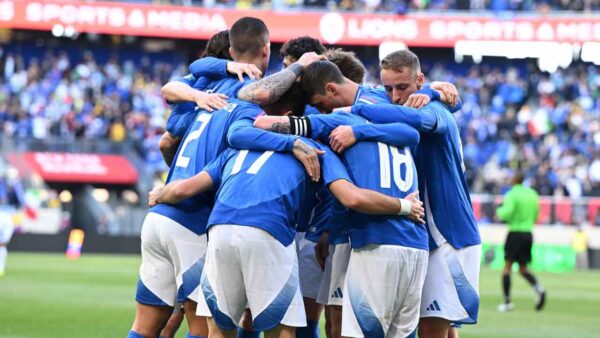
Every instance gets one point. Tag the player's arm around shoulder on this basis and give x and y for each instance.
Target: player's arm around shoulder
(178, 190)
(374, 203)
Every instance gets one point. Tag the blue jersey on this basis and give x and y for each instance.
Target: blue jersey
(319, 217)
(442, 184)
(184, 113)
(268, 190)
(339, 220)
(385, 166)
(204, 141)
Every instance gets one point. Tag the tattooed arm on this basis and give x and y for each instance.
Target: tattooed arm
(269, 89)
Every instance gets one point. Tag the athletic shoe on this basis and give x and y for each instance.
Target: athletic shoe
(505, 307)
(541, 300)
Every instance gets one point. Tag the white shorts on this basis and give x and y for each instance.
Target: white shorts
(172, 262)
(383, 291)
(331, 289)
(311, 274)
(451, 289)
(246, 267)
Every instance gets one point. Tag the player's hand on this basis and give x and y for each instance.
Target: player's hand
(417, 213)
(308, 58)
(417, 101)
(243, 68)
(210, 102)
(154, 195)
(309, 157)
(448, 92)
(322, 249)
(341, 138)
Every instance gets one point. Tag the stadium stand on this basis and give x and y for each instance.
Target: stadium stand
(542, 123)
(395, 6)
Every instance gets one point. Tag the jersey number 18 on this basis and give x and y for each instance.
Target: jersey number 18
(398, 159)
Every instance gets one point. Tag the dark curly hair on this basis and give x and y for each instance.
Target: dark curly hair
(218, 46)
(298, 46)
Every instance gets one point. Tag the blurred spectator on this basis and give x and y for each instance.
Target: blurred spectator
(395, 6)
(547, 125)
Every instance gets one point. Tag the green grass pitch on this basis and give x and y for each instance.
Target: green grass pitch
(47, 295)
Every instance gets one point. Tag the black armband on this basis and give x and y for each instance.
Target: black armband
(296, 69)
(300, 125)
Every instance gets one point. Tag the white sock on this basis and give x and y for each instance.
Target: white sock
(3, 254)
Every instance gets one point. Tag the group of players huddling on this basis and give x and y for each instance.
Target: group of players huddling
(303, 189)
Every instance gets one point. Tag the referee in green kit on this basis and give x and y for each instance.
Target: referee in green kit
(519, 210)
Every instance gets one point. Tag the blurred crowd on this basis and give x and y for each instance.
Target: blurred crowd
(55, 97)
(545, 124)
(399, 6)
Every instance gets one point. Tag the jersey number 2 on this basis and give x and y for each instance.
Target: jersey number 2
(182, 160)
(398, 159)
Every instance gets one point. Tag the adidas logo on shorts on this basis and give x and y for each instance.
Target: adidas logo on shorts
(434, 306)
(337, 293)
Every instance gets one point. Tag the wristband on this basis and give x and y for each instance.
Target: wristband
(405, 206)
(300, 125)
(296, 69)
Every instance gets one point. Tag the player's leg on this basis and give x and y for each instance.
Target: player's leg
(313, 315)
(506, 284)
(246, 329)
(3, 256)
(451, 290)
(271, 281)
(281, 331)
(222, 283)
(327, 311)
(434, 327)
(311, 276)
(156, 289)
(324, 287)
(214, 331)
(6, 232)
(339, 267)
(197, 325)
(188, 250)
(149, 320)
(511, 249)
(453, 331)
(173, 324)
(524, 257)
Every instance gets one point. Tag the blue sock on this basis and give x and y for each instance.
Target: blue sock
(188, 335)
(311, 330)
(241, 333)
(133, 334)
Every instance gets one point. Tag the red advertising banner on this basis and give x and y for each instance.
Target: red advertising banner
(77, 168)
(330, 27)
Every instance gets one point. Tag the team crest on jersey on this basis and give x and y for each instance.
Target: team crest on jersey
(230, 107)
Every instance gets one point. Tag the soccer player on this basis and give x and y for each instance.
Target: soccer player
(173, 238)
(454, 242)
(188, 92)
(327, 89)
(519, 210)
(251, 257)
(6, 232)
(293, 49)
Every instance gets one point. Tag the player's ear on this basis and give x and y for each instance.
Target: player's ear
(331, 88)
(267, 49)
(420, 80)
(232, 53)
